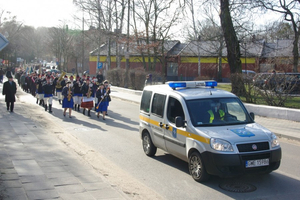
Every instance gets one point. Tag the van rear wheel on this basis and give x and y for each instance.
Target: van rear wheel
(197, 168)
(148, 146)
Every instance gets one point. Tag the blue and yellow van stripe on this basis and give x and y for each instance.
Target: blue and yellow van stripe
(179, 131)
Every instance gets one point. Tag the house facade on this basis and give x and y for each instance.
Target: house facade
(187, 61)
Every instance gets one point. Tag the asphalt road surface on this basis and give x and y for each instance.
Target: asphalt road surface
(114, 148)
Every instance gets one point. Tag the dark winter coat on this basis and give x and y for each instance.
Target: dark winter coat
(8, 73)
(9, 90)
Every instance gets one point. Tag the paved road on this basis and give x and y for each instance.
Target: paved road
(111, 151)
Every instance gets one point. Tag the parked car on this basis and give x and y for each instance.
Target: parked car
(284, 82)
(259, 79)
(248, 75)
(55, 71)
(278, 82)
(52, 70)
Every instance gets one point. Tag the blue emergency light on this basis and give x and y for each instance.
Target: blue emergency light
(192, 84)
(211, 83)
(177, 85)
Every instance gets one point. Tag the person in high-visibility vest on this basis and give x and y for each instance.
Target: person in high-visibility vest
(216, 112)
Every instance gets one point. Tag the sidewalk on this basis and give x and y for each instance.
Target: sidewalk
(282, 128)
(34, 164)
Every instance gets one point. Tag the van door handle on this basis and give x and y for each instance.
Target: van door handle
(167, 126)
(161, 124)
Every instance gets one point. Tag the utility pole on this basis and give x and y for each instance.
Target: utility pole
(197, 38)
(127, 49)
(246, 57)
(98, 43)
(199, 55)
(82, 64)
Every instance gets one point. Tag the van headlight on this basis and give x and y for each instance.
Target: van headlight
(220, 145)
(274, 140)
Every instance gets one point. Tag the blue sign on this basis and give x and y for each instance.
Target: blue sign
(243, 132)
(3, 42)
(174, 133)
(100, 65)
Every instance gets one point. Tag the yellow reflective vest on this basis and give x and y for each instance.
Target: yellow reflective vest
(212, 116)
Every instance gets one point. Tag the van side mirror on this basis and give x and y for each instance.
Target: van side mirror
(252, 115)
(179, 122)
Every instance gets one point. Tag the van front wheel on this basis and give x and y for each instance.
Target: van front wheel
(148, 145)
(197, 168)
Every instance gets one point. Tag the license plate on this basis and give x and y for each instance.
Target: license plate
(257, 163)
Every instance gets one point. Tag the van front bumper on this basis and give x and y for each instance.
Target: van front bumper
(229, 165)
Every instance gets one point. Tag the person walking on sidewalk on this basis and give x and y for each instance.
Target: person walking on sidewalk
(10, 90)
(68, 99)
(1, 75)
(8, 73)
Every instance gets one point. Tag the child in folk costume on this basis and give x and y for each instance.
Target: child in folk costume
(60, 84)
(107, 88)
(40, 92)
(102, 96)
(77, 96)
(88, 99)
(68, 100)
(48, 94)
(95, 88)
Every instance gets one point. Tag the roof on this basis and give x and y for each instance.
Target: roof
(280, 48)
(212, 48)
(198, 93)
(190, 93)
(255, 48)
(205, 48)
(134, 49)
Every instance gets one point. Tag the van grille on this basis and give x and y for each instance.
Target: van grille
(260, 146)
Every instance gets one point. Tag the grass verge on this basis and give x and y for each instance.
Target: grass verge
(292, 101)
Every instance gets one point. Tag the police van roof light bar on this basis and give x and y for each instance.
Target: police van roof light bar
(192, 84)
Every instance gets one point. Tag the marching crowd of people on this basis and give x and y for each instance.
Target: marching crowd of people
(73, 93)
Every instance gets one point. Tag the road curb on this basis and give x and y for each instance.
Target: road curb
(279, 135)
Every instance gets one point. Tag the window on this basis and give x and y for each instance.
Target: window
(218, 111)
(174, 109)
(172, 69)
(158, 104)
(145, 103)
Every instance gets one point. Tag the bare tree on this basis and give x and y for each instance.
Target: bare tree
(12, 31)
(156, 18)
(233, 49)
(290, 11)
(60, 45)
(104, 15)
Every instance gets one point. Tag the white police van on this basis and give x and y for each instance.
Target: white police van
(207, 127)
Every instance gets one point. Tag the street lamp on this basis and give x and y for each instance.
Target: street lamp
(246, 57)
(199, 58)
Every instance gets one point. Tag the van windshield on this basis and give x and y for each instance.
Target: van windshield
(218, 112)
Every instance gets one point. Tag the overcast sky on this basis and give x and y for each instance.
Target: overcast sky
(37, 13)
(54, 13)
